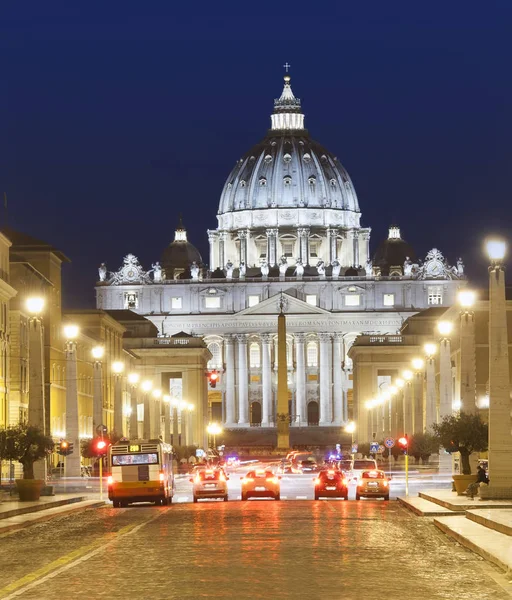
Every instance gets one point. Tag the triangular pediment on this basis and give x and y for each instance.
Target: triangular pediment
(292, 306)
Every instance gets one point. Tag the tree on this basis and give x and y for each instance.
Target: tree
(464, 433)
(422, 445)
(26, 444)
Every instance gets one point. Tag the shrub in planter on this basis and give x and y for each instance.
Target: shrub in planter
(422, 445)
(464, 433)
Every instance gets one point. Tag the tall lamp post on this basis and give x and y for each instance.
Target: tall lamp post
(399, 421)
(156, 429)
(98, 353)
(445, 370)
(167, 418)
(214, 430)
(175, 436)
(418, 364)
(408, 375)
(133, 380)
(118, 369)
(36, 399)
(467, 352)
(72, 463)
(147, 386)
(350, 428)
(500, 440)
(430, 375)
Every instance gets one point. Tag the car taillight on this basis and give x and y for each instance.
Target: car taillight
(248, 480)
(110, 480)
(162, 476)
(272, 479)
(385, 483)
(345, 482)
(331, 472)
(222, 477)
(317, 481)
(360, 483)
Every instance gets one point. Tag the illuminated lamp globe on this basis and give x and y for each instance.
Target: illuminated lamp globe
(350, 427)
(430, 349)
(385, 396)
(418, 364)
(98, 352)
(496, 249)
(183, 405)
(71, 332)
(400, 383)
(407, 375)
(35, 305)
(147, 385)
(157, 393)
(190, 407)
(166, 398)
(392, 390)
(118, 367)
(466, 298)
(445, 327)
(213, 429)
(133, 378)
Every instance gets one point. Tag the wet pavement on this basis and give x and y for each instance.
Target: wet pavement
(243, 550)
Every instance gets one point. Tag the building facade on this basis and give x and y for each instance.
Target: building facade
(289, 235)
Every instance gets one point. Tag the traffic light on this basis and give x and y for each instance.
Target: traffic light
(100, 447)
(213, 376)
(403, 444)
(64, 448)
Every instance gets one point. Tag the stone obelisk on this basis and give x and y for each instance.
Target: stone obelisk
(283, 413)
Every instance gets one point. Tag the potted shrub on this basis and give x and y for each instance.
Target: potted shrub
(463, 433)
(27, 444)
(422, 445)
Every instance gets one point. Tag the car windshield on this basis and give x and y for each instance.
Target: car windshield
(345, 465)
(373, 475)
(209, 475)
(329, 474)
(364, 464)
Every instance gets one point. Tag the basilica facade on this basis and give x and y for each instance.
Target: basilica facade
(289, 237)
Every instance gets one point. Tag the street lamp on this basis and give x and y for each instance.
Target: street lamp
(350, 428)
(445, 328)
(466, 298)
(117, 369)
(35, 305)
(98, 352)
(71, 332)
(133, 379)
(214, 430)
(500, 440)
(430, 349)
(72, 463)
(146, 386)
(157, 394)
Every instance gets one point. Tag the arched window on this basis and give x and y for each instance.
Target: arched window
(216, 361)
(312, 354)
(254, 356)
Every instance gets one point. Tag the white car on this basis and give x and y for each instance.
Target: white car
(362, 464)
(210, 483)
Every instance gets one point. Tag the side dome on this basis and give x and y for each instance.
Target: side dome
(179, 254)
(392, 253)
(288, 170)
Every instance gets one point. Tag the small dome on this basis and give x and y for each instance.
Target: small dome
(179, 255)
(393, 252)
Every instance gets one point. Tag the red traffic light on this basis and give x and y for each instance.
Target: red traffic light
(213, 376)
(403, 441)
(101, 445)
(64, 445)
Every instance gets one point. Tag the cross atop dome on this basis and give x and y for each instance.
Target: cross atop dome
(287, 111)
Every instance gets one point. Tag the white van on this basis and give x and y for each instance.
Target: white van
(362, 464)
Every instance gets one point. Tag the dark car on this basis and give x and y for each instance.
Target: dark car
(331, 483)
(309, 466)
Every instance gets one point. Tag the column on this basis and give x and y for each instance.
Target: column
(393, 403)
(156, 421)
(147, 415)
(300, 379)
(229, 413)
(72, 462)
(118, 404)
(213, 236)
(303, 233)
(184, 425)
(418, 424)
(266, 409)
(355, 247)
(325, 378)
(36, 401)
(97, 399)
(500, 440)
(467, 362)
(167, 421)
(430, 396)
(400, 423)
(243, 235)
(134, 429)
(272, 247)
(332, 235)
(337, 375)
(408, 413)
(175, 428)
(364, 247)
(222, 248)
(243, 384)
(445, 379)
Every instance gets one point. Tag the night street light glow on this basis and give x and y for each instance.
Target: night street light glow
(418, 363)
(147, 385)
(35, 305)
(466, 298)
(496, 249)
(213, 429)
(407, 375)
(350, 427)
(157, 393)
(98, 352)
(133, 378)
(445, 327)
(430, 349)
(71, 331)
(118, 367)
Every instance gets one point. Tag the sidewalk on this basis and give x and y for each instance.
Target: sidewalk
(16, 515)
(483, 526)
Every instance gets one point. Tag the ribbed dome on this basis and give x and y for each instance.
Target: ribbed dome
(288, 169)
(180, 254)
(393, 252)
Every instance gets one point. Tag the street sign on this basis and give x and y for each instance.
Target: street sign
(354, 448)
(338, 447)
(389, 442)
(374, 447)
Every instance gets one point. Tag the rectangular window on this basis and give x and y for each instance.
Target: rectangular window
(435, 295)
(313, 249)
(287, 249)
(311, 299)
(353, 300)
(212, 302)
(253, 300)
(122, 460)
(389, 299)
(176, 303)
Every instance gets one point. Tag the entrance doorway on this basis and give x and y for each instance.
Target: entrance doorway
(313, 413)
(255, 414)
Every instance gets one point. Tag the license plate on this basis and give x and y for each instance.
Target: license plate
(373, 485)
(210, 485)
(330, 487)
(260, 489)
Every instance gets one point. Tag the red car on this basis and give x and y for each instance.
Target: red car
(331, 483)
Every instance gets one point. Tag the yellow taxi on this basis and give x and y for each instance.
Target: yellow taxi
(210, 483)
(261, 484)
(373, 484)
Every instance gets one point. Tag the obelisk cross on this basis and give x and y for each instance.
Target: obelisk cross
(286, 66)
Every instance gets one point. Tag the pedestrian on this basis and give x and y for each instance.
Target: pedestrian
(481, 477)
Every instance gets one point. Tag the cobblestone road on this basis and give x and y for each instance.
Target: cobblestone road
(258, 549)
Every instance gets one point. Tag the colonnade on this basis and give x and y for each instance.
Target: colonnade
(322, 380)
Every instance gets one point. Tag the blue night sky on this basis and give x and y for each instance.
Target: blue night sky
(115, 117)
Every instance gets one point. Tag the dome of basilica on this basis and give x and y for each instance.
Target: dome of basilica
(289, 170)
(179, 254)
